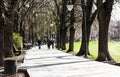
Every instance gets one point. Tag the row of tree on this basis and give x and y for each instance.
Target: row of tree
(16, 16)
(67, 20)
(29, 17)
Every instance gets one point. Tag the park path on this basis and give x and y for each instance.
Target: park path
(54, 63)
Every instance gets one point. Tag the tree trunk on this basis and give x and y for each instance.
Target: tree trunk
(71, 40)
(9, 22)
(58, 25)
(16, 23)
(72, 29)
(1, 45)
(104, 15)
(82, 50)
(8, 39)
(61, 35)
(63, 25)
(22, 31)
(89, 20)
(64, 38)
(1, 37)
(58, 37)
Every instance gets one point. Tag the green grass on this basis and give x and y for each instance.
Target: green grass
(114, 49)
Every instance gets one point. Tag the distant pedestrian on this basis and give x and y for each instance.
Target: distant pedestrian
(52, 43)
(39, 43)
(48, 44)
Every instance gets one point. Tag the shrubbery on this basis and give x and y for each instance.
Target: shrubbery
(17, 40)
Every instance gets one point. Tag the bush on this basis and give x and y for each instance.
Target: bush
(17, 40)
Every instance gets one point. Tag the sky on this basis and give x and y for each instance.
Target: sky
(116, 12)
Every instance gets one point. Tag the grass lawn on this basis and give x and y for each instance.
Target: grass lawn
(114, 49)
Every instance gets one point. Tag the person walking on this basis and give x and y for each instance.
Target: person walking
(48, 44)
(39, 43)
(52, 43)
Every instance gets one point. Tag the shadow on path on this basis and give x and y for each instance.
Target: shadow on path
(45, 65)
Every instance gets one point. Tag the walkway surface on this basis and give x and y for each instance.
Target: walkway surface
(53, 63)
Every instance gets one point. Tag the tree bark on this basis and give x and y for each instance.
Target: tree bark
(72, 29)
(71, 40)
(64, 31)
(104, 15)
(63, 27)
(8, 30)
(89, 20)
(58, 25)
(1, 45)
(16, 22)
(1, 36)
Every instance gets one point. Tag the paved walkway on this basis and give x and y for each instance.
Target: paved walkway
(54, 63)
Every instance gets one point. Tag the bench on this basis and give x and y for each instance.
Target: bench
(19, 54)
(16, 51)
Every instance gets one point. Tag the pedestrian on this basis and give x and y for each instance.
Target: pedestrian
(39, 43)
(48, 44)
(52, 42)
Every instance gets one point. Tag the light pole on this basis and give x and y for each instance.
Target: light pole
(70, 7)
(51, 31)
